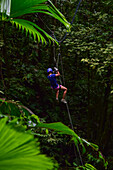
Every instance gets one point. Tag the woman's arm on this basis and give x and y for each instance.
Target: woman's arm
(58, 74)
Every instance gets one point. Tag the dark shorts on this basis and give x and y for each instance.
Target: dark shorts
(58, 88)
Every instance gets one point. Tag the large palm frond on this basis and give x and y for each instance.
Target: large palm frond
(12, 9)
(18, 150)
(18, 8)
(31, 28)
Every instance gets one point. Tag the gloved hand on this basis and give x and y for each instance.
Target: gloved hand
(56, 69)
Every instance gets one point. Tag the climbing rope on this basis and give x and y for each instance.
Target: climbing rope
(71, 24)
(73, 130)
(54, 55)
(76, 11)
(57, 63)
(62, 68)
(67, 31)
(68, 111)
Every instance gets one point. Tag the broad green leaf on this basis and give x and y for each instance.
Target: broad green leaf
(18, 150)
(61, 129)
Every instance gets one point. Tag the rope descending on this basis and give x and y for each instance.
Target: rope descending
(71, 24)
(67, 31)
(57, 63)
(68, 111)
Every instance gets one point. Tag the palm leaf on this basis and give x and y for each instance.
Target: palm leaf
(32, 29)
(5, 6)
(18, 150)
(94, 146)
(19, 8)
(13, 108)
(22, 5)
(63, 129)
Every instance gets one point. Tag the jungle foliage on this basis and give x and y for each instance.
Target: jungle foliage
(86, 63)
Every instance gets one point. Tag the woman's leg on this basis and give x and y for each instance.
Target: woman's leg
(57, 93)
(65, 91)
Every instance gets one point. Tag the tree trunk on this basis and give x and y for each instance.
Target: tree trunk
(104, 124)
(1, 54)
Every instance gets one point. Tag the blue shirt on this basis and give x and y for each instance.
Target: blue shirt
(52, 79)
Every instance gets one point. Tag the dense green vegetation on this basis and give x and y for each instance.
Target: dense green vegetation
(86, 69)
